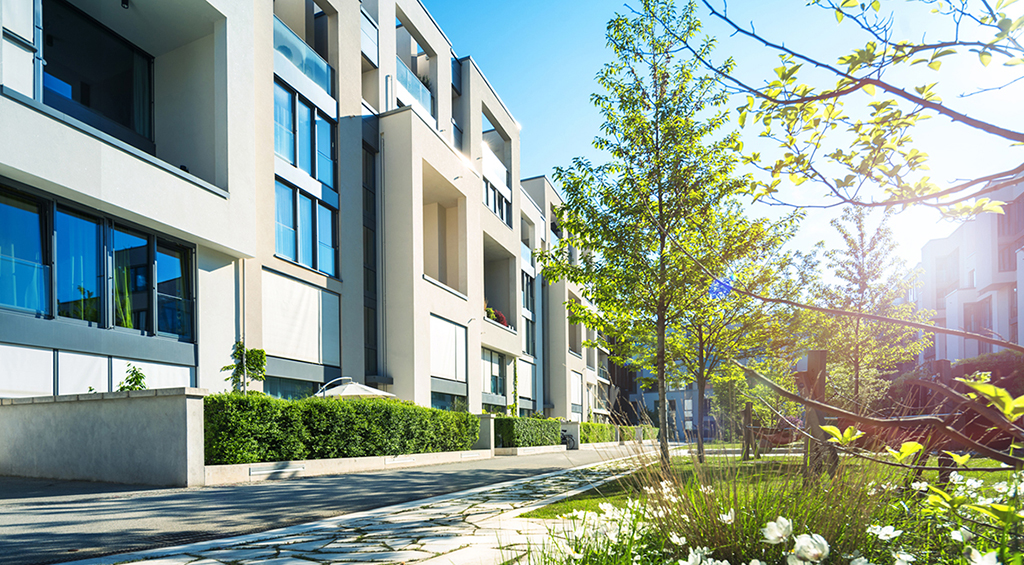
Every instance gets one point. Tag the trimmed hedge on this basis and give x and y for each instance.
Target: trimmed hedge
(254, 428)
(629, 432)
(526, 432)
(591, 432)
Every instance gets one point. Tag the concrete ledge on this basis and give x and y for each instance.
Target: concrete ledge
(511, 451)
(600, 445)
(150, 437)
(255, 472)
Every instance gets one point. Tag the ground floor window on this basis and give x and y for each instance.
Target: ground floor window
(289, 389)
(452, 402)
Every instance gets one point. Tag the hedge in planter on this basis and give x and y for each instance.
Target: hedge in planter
(252, 428)
(526, 432)
(650, 432)
(591, 432)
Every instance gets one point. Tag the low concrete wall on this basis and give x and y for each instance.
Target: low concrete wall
(253, 472)
(573, 429)
(510, 451)
(486, 438)
(600, 445)
(151, 437)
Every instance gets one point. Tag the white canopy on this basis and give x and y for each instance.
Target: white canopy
(348, 389)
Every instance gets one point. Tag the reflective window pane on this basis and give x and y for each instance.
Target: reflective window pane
(24, 278)
(324, 151)
(325, 240)
(174, 300)
(285, 233)
(305, 230)
(131, 279)
(79, 270)
(304, 140)
(284, 132)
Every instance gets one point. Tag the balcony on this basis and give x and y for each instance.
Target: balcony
(526, 254)
(369, 40)
(495, 171)
(412, 92)
(302, 56)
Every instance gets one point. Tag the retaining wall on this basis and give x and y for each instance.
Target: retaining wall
(151, 437)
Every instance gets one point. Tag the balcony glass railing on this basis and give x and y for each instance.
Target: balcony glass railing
(24, 285)
(369, 39)
(302, 56)
(526, 254)
(417, 94)
(495, 171)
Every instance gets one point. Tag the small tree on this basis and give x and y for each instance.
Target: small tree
(134, 379)
(249, 365)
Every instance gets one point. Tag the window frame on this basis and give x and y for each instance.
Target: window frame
(316, 117)
(49, 205)
(296, 194)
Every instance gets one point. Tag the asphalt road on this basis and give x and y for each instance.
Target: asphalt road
(44, 521)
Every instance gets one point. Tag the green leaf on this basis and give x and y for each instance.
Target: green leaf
(985, 57)
(743, 119)
(961, 460)
(869, 88)
(906, 450)
(839, 16)
(1014, 61)
(934, 65)
(997, 397)
(849, 4)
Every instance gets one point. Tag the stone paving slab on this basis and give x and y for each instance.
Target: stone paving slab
(475, 527)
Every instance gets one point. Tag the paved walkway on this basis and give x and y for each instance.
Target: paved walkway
(473, 527)
(44, 521)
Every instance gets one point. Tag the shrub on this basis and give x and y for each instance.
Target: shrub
(596, 433)
(650, 432)
(526, 432)
(253, 427)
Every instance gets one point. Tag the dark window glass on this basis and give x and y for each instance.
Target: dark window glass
(369, 283)
(370, 327)
(289, 389)
(79, 271)
(442, 401)
(285, 234)
(304, 137)
(305, 230)
(173, 291)
(324, 151)
(131, 279)
(369, 249)
(325, 240)
(95, 76)
(370, 361)
(284, 131)
(24, 279)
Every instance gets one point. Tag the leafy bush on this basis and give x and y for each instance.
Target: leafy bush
(526, 432)
(253, 427)
(650, 432)
(596, 433)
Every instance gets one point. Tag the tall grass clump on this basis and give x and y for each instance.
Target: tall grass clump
(766, 512)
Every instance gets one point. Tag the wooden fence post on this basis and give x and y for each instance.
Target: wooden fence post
(820, 456)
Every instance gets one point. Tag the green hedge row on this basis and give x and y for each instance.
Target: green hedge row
(628, 433)
(253, 428)
(526, 432)
(591, 432)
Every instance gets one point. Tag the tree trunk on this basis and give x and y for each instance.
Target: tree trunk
(700, 414)
(662, 401)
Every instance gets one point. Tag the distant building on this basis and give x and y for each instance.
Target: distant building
(970, 279)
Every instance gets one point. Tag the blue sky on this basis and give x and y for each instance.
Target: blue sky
(542, 58)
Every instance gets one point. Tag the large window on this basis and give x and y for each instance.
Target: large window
(303, 136)
(96, 76)
(105, 273)
(529, 337)
(494, 367)
(24, 273)
(305, 230)
(528, 294)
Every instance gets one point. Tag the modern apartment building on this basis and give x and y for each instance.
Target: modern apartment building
(970, 279)
(326, 180)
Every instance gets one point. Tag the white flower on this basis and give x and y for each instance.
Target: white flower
(885, 534)
(757, 562)
(707, 489)
(861, 561)
(728, 517)
(956, 478)
(919, 485)
(794, 560)
(1001, 488)
(976, 558)
(676, 540)
(963, 535)
(810, 547)
(776, 532)
(902, 558)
